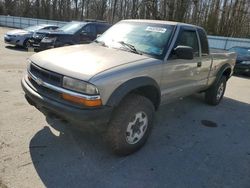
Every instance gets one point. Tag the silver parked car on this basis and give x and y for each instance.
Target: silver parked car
(20, 37)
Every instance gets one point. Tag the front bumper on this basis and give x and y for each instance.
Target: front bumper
(10, 40)
(88, 116)
(46, 45)
(15, 40)
(35, 43)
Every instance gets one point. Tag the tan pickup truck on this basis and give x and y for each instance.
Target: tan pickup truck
(119, 81)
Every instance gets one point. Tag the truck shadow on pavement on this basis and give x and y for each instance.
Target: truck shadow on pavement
(16, 48)
(180, 152)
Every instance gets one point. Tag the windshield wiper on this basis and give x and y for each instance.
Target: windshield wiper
(101, 43)
(130, 47)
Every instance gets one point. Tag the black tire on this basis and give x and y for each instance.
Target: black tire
(127, 115)
(215, 93)
(26, 44)
(247, 74)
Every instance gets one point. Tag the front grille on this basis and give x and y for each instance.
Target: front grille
(45, 91)
(45, 75)
(50, 93)
(51, 78)
(39, 36)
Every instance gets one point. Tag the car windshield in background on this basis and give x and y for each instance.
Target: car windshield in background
(34, 28)
(72, 27)
(146, 38)
(241, 51)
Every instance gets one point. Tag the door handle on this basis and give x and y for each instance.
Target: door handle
(199, 64)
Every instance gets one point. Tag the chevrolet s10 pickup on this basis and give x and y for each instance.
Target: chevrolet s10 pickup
(121, 79)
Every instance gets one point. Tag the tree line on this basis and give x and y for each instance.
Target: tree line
(218, 17)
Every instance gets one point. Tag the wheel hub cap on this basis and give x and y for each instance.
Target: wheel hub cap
(220, 91)
(136, 128)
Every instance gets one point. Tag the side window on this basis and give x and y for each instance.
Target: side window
(100, 29)
(89, 29)
(204, 42)
(50, 28)
(54, 27)
(188, 38)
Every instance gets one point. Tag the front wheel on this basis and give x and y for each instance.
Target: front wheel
(215, 93)
(131, 124)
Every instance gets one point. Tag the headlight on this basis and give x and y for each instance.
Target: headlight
(47, 39)
(9, 35)
(22, 34)
(245, 62)
(79, 86)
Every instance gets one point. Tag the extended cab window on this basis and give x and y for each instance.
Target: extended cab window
(204, 41)
(188, 38)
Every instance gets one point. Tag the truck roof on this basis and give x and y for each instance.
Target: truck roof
(162, 22)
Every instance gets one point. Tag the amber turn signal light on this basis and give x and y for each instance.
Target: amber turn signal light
(79, 100)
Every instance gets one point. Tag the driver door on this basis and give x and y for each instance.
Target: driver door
(180, 76)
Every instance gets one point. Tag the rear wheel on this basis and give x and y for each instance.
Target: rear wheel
(130, 125)
(214, 95)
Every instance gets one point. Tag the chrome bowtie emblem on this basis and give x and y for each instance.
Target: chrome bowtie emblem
(39, 81)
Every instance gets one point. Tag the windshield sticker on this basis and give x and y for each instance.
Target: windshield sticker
(156, 29)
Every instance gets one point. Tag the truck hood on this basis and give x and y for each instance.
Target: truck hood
(83, 61)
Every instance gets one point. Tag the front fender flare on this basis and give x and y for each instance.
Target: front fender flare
(130, 85)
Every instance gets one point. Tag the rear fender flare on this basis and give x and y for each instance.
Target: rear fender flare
(221, 72)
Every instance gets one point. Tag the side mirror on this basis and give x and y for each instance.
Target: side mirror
(184, 52)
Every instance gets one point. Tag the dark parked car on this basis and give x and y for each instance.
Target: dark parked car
(71, 33)
(243, 60)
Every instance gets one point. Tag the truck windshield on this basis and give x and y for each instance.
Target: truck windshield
(146, 38)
